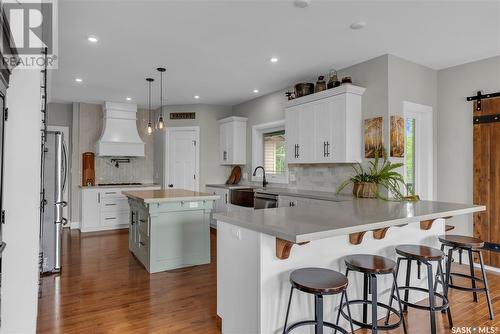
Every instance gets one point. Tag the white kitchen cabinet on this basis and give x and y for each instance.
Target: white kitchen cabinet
(325, 127)
(221, 204)
(292, 201)
(232, 140)
(105, 208)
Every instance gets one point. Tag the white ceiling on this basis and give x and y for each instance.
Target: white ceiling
(220, 50)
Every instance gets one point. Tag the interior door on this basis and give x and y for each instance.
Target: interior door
(182, 159)
(486, 182)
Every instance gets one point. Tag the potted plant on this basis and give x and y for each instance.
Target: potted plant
(367, 181)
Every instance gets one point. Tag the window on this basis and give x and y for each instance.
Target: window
(410, 154)
(274, 152)
(268, 150)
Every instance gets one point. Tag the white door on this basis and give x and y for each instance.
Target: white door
(182, 158)
(419, 150)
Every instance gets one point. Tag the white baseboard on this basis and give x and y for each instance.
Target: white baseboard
(488, 268)
(74, 225)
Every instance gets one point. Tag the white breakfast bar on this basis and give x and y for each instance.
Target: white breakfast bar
(257, 250)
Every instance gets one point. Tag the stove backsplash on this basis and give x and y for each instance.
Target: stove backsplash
(137, 170)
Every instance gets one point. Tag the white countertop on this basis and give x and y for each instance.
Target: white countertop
(169, 195)
(229, 186)
(321, 195)
(122, 186)
(318, 221)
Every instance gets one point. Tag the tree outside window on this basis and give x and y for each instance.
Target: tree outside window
(274, 152)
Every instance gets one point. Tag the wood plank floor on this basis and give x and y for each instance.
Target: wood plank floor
(104, 289)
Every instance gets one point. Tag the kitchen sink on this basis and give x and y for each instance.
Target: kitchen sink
(242, 197)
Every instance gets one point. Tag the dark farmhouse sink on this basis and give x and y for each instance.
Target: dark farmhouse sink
(242, 197)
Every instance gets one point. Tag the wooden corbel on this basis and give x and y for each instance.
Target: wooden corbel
(427, 224)
(284, 247)
(356, 238)
(380, 233)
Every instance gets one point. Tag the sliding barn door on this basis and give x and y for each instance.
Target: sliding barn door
(487, 175)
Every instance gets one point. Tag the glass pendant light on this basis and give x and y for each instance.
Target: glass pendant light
(150, 125)
(161, 122)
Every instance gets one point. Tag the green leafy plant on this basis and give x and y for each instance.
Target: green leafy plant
(382, 174)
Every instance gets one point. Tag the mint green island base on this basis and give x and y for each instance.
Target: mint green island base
(170, 229)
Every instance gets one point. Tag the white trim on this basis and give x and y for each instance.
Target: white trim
(488, 268)
(348, 88)
(74, 225)
(424, 147)
(169, 130)
(258, 147)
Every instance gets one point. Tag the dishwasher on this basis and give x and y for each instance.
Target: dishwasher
(265, 201)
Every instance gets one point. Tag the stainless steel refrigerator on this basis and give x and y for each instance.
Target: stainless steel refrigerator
(54, 182)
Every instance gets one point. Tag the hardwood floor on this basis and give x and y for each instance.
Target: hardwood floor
(104, 289)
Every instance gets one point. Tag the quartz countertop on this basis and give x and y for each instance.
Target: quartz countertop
(321, 195)
(170, 195)
(229, 186)
(323, 220)
(122, 186)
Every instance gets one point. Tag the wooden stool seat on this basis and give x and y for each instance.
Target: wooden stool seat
(318, 281)
(454, 240)
(420, 252)
(367, 263)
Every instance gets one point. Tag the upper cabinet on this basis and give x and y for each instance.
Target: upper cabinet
(233, 140)
(325, 127)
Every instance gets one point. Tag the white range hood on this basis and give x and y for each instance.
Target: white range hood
(119, 133)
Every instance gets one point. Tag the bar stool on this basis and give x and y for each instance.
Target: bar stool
(423, 255)
(371, 266)
(319, 282)
(470, 245)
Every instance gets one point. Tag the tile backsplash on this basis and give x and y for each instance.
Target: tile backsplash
(138, 170)
(320, 178)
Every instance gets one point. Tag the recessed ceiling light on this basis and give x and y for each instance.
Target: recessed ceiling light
(92, 39)
(301, 3)
(128, 98)
(274, 59)
(78, 79)
(255, 90)
(358, 25)
(197, 97)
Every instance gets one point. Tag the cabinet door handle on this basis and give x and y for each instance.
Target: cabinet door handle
(327, 149)
(143, 220)
(142, 243)
(226, 198)
(324, 149)
(298, 150)
(98, 197)
(224, 156)
(110, 193)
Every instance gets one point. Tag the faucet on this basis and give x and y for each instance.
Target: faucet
(264, 182)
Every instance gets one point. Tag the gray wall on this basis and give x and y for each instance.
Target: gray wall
(206, 118)
(415, 83)
(454, 135)
(372, 74)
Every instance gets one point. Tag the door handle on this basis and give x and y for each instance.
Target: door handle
(64, 221)
(327, 149)
(298, 150)
(324, 149)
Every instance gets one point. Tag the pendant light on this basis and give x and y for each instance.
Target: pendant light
(150, 125)
(161, 123)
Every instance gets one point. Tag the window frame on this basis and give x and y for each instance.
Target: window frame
(258, 132)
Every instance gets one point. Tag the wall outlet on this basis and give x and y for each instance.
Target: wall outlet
(244, 176)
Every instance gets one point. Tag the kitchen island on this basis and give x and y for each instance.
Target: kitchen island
(257, 250)
(169, 229)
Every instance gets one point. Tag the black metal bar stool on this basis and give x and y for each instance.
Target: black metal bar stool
(470, 245)
(423, 255)
(319, 282)
(371, 266)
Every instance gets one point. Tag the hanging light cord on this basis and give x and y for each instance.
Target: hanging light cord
(161, 94)
(149, 122)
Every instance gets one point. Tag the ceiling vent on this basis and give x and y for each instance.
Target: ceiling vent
(119, 133)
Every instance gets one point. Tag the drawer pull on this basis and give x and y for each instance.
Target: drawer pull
(111, 204)
(142, 243)
(110, 192)
(143, 220)
(110, 218)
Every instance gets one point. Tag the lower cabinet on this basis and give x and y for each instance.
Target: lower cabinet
(221, 204)
(105, 208)
(292, 201)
